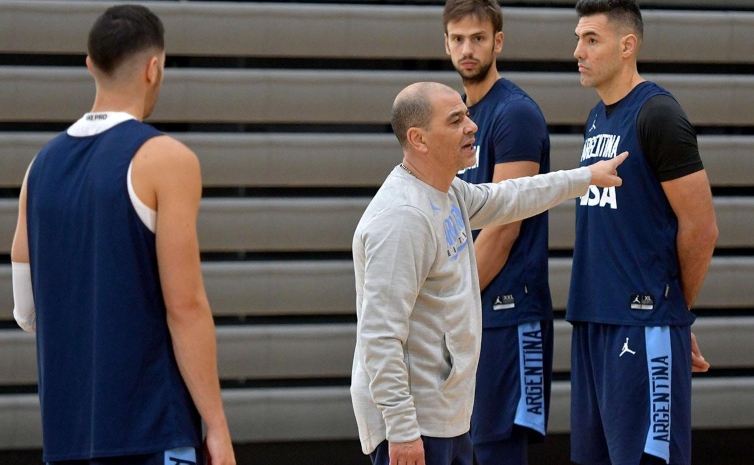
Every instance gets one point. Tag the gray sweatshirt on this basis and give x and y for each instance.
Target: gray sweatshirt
(417, 298)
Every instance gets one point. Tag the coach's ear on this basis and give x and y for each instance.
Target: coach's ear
(89, 65)
(415, 137)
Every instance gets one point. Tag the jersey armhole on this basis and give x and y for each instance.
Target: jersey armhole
(146, 214)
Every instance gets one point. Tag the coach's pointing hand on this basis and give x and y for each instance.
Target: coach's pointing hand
(605, 172)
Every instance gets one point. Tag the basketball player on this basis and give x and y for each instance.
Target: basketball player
(106, 270)
(515, 366)
(417, 291)
(640, 258)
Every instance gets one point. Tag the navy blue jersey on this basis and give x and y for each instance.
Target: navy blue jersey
(512, 128)
(625, 263)
(109, 384)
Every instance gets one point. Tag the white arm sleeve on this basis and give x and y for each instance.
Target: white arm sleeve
(23, 299)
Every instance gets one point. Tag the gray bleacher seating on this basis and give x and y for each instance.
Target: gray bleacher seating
(358, 31)
(294, 96)
(348, 160)
(325, 287)
(251, 224)
(302, 351)
(324, 413)
(291, 349)
(345, 160)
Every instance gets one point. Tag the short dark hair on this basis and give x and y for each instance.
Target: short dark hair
(412, 111)
(122, 31)
(456, 10)
(625, 12)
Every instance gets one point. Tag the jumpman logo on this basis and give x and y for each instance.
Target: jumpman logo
(626, 349)
(594, 125)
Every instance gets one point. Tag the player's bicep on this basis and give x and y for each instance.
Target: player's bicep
(514, 169)
(20, 247)
(521, 135)
(690, 197)
(178, 193)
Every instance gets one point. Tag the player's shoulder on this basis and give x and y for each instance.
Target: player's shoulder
(165, 150)
(167, 144)
(510, 97)
(662, 103)
(661, 109)
(54, 144)
(511, 91)
(508, 86)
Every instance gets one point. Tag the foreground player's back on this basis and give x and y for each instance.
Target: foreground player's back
(101, 319)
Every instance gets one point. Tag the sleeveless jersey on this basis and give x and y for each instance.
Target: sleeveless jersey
(512, 128)
(625, 263)
(109, 384)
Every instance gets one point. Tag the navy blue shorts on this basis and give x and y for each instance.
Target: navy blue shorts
(437, 451)
(630, 394)
(179, 456)
(505, 394)
(511, 451)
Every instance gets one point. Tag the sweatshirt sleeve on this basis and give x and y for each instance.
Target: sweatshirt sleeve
(399, 251)
(517, 199)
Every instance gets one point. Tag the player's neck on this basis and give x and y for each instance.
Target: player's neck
(113, 101)
(477, 90)
(616, 89)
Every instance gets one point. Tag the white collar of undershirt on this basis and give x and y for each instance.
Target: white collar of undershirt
(95, 123)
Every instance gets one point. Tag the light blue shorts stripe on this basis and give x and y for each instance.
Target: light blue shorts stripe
(530, 411)
(659, 364)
